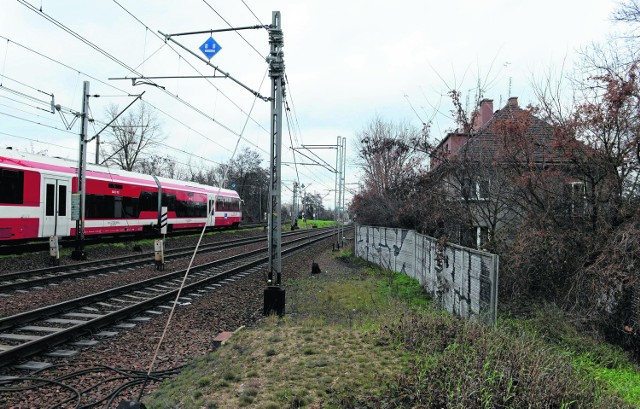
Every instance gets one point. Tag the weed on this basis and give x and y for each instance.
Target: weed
(230, 376)
(204, 381)
(270, 352)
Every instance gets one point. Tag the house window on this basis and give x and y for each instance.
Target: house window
(474, 237)
(576, 198)
(475, 189)
(468, 237)
(467, 189)
(482, 189)
(483, 237)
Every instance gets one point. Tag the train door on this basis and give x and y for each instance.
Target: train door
(211, 211)
(56, 218)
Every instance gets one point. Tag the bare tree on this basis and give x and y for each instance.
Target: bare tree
(133, 136)
(246, 175)
(628, 12)
(158, 165)
(391, 163)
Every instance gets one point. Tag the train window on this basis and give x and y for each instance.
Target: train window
(148, 201)
(190, 209)
(62, 200)
(117, 207)
(96, 207)
(169, 200)
(129, 207)
(111, 207)
(227, 204)
(11, 186)
(50, 200)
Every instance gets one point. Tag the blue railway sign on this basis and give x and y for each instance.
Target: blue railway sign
(210, 48)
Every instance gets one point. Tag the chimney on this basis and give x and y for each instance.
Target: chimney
(513, 102)
(485, 114)
(486, 110)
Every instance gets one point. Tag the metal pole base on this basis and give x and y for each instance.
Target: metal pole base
(130, 404)
(79, 255)
(274, 301)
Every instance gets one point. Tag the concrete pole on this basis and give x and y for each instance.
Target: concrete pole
(79, 253)
(274, 297)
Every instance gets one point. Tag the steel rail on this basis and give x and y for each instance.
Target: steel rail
(46, 342)
(99, 266)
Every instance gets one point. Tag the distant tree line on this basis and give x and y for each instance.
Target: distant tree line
(133, 143)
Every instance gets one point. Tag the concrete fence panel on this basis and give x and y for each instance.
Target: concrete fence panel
(461, 280)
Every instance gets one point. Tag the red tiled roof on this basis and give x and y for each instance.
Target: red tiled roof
(513, 134)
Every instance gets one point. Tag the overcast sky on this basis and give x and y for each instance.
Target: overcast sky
(347, 62)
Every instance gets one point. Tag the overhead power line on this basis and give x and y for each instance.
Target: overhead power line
(38, 141)
(116, 60)
(37, 123)
(124, 94)
(237, 32)
(254, 14)
(161, 38)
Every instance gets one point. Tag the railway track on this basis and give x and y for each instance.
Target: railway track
(46, 276)
(78, 322)
(43, 245)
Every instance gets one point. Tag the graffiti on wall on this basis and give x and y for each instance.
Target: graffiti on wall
(461, 280)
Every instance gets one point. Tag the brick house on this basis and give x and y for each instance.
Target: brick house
(494, 167)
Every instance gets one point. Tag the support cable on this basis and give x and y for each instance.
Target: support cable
(293, 107)
(146, 102)
(37, 123)
(195, 251)
(254, 14)
(111, 57)
(4, 64)
(293, 150)
(237, 32)
(187, 61)
(38, 141)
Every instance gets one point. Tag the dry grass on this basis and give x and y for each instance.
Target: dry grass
(351, 339)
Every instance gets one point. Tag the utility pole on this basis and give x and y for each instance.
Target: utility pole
(97, 149)
(339, 188)
(336, 201)
(274, 294)
(79, 253)
(342, 186)
(294, 207)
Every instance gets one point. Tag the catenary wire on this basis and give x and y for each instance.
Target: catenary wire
(254, 14)
(38, 141)
(237, 32)
(126, 94)
(187, 61)
(37, 123)
(116, 60)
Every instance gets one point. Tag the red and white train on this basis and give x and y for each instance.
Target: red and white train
(36, 197)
